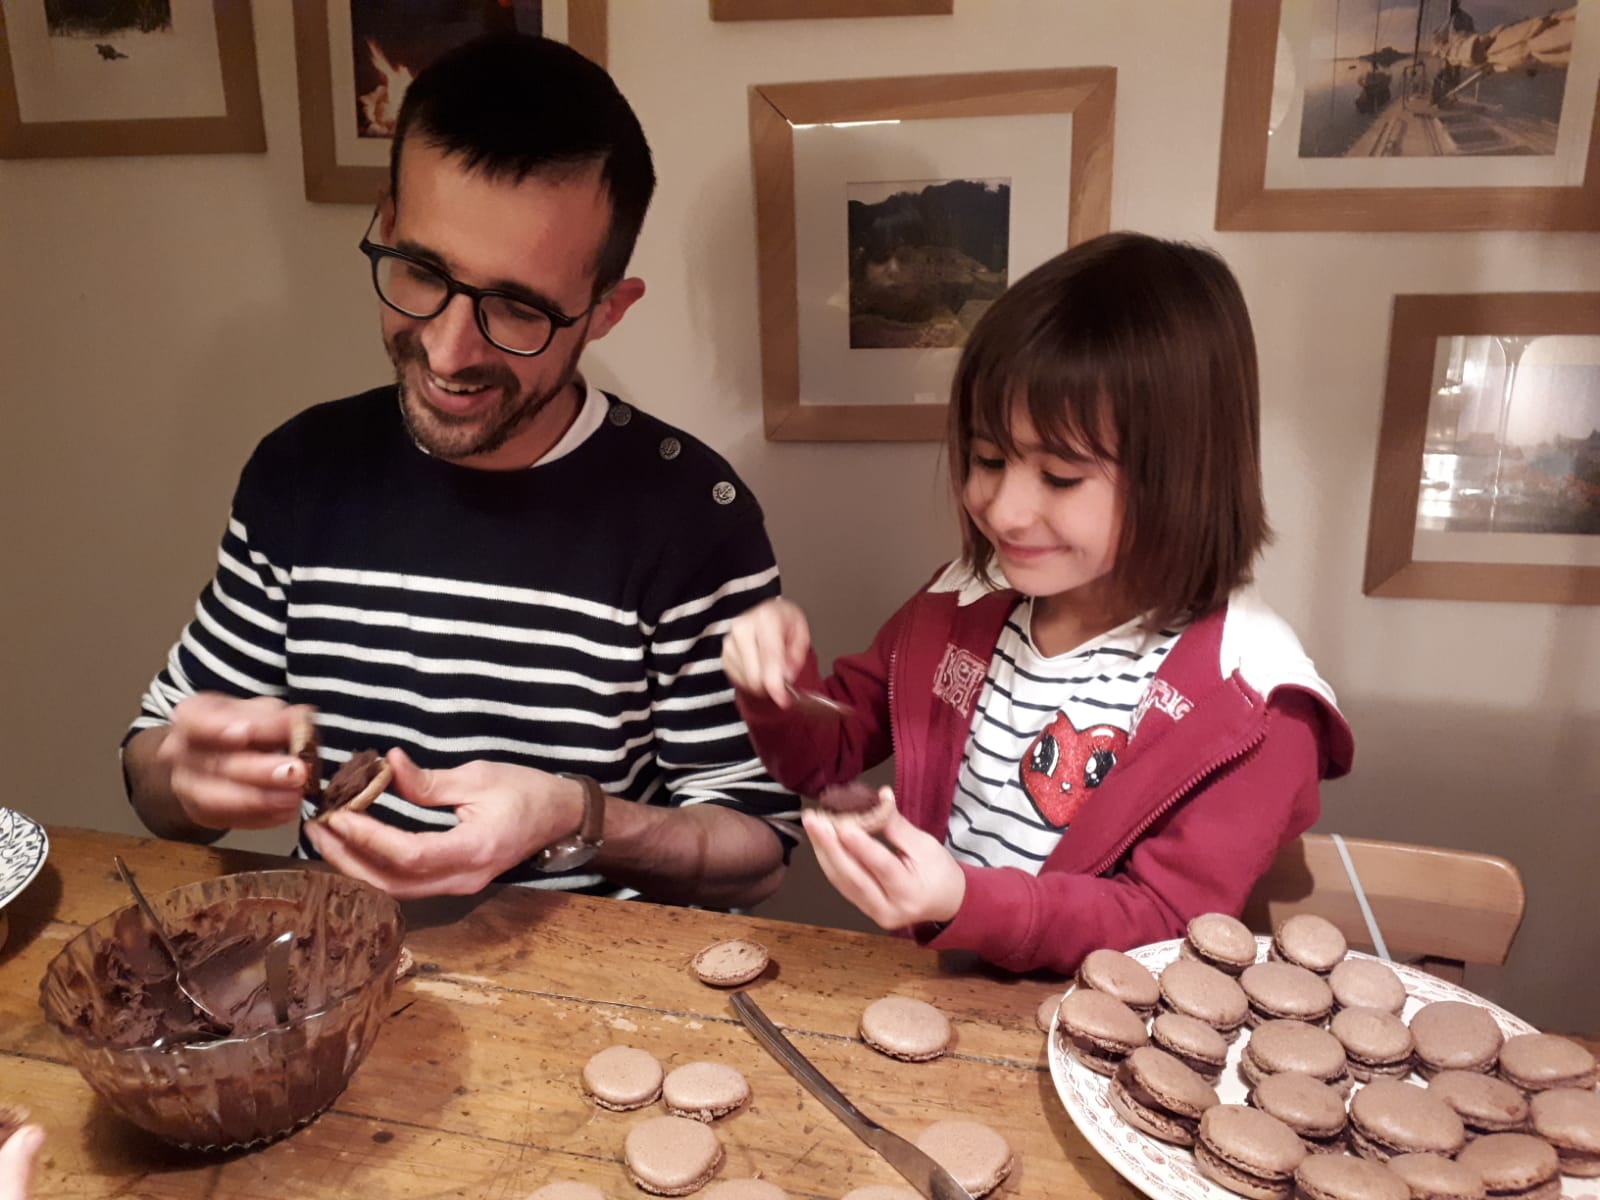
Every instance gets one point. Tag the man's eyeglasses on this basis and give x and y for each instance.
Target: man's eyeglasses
(419, 289)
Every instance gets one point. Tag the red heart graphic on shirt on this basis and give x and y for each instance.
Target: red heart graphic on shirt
(1063, 765)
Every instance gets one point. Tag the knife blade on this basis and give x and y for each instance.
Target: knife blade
(921, 1171)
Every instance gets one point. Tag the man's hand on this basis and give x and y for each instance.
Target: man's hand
(507, 813)
(765, 648)
(229, 762)
(916, 880)
(17, 1156)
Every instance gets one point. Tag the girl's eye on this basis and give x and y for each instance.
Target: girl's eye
(1061, 482)
(987, 464)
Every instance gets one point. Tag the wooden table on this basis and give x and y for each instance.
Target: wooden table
(473, 1089)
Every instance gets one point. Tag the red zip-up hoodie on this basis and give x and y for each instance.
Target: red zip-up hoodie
(1221, 770)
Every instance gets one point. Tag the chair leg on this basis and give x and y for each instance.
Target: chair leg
(1449, 969)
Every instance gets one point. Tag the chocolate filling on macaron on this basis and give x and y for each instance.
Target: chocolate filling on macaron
(1569, 1119)
(1157, 1094)
(1221, 941)
(356, 784)
(1098, 1030)
(1388, 1117)
(1515, 1166)
(1248, 1152)
(1536, 1062)
(868, 806)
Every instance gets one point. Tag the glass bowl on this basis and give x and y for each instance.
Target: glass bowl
(110, 996)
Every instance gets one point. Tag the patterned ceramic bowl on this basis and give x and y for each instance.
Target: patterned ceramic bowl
(107, 991)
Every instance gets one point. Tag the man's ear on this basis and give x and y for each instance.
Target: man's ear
(611, 310)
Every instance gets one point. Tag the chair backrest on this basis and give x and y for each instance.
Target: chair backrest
(1442, 907)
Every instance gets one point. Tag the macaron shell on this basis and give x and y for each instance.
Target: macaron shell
(1485, 1103)
(1388, 1117)
(1340, 1177)
(672, 1156)
(905, 1028)
(1145, 1115)
(622, 1078)
(1308, 1106)
(1435, 1177)
(1516, 1163)
(1116, 974)
(1365, 983)
(1250, 1141)
(1104, 1020)
(1281, 989)
(1046, 1015)
(1172, 1084)
(730, 963)
(1193, 1041)
(1569, 1119)
(704, 1091)
(1295, 1046)
(1310, 941)
(1453, 1035)
(1203, 992)
(977, 1156)
(1538, 1061)
(1222, 940)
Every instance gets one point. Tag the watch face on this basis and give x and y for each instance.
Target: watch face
(565, 855)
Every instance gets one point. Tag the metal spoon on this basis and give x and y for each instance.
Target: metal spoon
(278, 975)
(178, 976)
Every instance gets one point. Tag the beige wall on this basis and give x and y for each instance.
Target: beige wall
(161, 314)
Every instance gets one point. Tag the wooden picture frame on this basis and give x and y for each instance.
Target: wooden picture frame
(1087, 94)
(1394, 566)
(1246, 200)
(239, 130)
(329, 180)
(797, 10)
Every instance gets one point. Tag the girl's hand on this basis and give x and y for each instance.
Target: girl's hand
(915, 881)
(765, 648)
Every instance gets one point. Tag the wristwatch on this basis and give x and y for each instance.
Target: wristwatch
(579, 847)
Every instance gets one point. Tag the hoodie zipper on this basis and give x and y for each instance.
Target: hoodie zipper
(1215, 765)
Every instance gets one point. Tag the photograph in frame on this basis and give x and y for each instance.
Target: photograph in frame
(1411, 115)
(128, 77)
(356, 58)
(1488, 483)
(891, 213)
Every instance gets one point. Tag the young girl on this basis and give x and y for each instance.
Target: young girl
(1098, 730)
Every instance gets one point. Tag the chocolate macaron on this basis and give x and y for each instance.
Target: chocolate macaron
(1248, 1152)
(1452, 1035)
(704, 1091)
(1045, 1015)
(1116, 974)
(904, 1028)
(359, 781)
(622, 1078)
(1278, 1046)
(1367, 983)
(1388, 1117)
(730, 963)
(1281, 991)
(1377, 1043)
(977, 1156)
(1098, 1030)
(1536, 1062)
(1220, 941)
(1569, 1119)
(671, 1156)
(1193, 989)
(1435, 1177)
(1340, 1177)
(1308, 1106)
(856, 803)
(1515, 1166)
(1158, 1095)
(1195, 1044)
(1309, 941)
(1485, 1104)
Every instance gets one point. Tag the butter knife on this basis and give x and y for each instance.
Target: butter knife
(927, 1176)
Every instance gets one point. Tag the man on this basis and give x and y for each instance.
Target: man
(506, 576)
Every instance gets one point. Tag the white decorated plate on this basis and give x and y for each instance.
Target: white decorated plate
(23, 846)
(1167, 1172)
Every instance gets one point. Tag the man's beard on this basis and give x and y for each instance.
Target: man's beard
(452, 437)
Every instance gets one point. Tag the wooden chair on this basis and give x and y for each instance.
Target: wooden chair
(1439, 908)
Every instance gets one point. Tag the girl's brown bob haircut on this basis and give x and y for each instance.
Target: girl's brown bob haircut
(1135, 351)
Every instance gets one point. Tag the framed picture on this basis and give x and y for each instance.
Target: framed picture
(357, 57)
(891, 212)
(1412, 115)
(789, 10)
(1488, 476)
(110, 77)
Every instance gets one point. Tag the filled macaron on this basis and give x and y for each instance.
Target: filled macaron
(1278, 1046)
(1279, 991)
(1308, 1106)
(1367, 983)
(1195, 1044)
(1388, 1117)
(1158, 1095)
(1485, 1103)
(1435, 1177)
(1377, 1043)
(1453, 1035)
(856, 803)
(1248, 1152)
(1309, 941)
(1193, 989)
(1340, 1177)
(1515, 1166)
(1569, 1119)
(1220, 941)
(1116, 974)
(1098, 1030)
(1536, 1062)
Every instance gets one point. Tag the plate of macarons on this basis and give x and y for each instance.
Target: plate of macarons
(1228, 1064)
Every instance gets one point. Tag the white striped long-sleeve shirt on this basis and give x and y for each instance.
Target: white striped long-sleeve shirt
(567, 617)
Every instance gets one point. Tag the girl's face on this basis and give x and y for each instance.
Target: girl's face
(1054, 521)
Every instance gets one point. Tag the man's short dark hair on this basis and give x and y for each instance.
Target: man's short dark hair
(513, 106)
(1136, 351)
